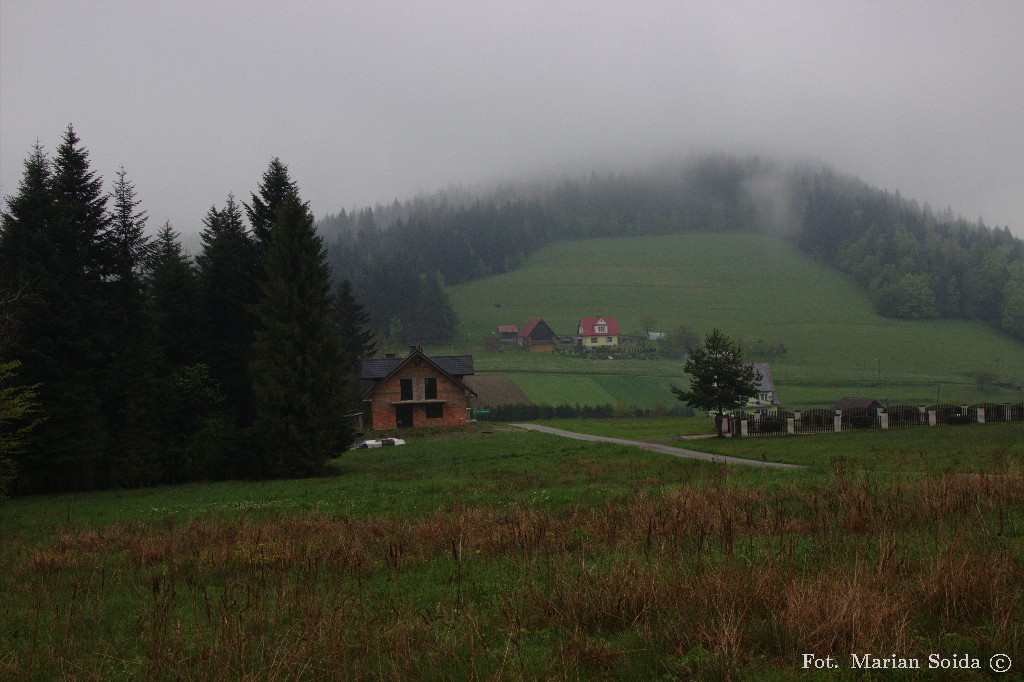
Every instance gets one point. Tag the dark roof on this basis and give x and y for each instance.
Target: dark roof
(537, 328)
(378, 368)
(854, 403)
(766, 384)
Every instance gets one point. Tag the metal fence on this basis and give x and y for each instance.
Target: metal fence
(815, 421)
(954, 414)
(781, 422)
(903, 416)
(861, 419)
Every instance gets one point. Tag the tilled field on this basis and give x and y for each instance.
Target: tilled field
(495, 390)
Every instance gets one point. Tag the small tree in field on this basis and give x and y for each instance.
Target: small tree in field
(719, 380)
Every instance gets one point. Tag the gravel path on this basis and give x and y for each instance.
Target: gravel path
(657, 447)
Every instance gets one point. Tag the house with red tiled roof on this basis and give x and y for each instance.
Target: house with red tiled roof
(537, 337)
(597, 332)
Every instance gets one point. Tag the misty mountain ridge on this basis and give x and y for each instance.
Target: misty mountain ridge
(913, 261)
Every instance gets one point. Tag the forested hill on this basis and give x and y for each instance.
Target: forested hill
(914, 262)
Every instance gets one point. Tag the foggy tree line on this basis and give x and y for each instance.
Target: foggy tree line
(913, 262)
(134, 364)
(401, 257)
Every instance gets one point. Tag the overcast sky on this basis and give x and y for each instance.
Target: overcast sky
(371, 101)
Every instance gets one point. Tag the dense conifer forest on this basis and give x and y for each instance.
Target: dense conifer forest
(124, 362)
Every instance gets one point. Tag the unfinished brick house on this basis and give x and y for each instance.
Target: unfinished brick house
(416, 391)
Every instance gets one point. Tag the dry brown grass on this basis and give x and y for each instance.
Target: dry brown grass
(638, 584)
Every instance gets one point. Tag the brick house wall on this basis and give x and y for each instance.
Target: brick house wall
(451, 397)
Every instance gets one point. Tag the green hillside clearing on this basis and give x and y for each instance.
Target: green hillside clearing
(751, 286)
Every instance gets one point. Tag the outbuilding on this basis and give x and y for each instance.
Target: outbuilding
(537, 337)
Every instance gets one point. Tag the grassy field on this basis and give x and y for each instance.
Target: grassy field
(492, 553)
(986, 448)
(754, 288)
(651, 429)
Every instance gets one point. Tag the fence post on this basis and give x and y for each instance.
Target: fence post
(790, 425)
(931, 418)
(838, 421)
(743, 428)
(981, 415)
(883, 418)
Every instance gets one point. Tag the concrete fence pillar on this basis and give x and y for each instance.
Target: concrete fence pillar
(791, 425)
(883, 418)
(838, 421)
(743, 428)
(981, 415)
(931, 418)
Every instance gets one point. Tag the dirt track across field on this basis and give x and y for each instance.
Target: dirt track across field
(495, 390)
(657, 447)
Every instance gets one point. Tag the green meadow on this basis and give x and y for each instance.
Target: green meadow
(753, 287)
(492, 553)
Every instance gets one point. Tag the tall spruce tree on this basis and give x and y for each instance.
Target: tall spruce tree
(228, 275)
(352, 325)
(26, 287)
(274, 187)
(26, 253)
(195, 429)
(174, 291)
(298, 367)
(53, 252)
(131, 394)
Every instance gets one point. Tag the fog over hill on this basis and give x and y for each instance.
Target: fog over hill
(368, 102)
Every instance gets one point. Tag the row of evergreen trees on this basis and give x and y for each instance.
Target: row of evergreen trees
(912, 262)
(144, 366)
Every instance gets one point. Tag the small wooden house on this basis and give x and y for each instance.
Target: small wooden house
(416, 391)
(508, 333)
(537, 337)
(597, 332)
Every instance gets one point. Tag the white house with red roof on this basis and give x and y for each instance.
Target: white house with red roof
(597, 332)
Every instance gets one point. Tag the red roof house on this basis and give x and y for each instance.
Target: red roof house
(597, 332)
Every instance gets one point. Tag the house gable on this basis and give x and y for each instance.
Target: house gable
(766, 394)
(536, 335)
(417, 390)
(594, 332)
